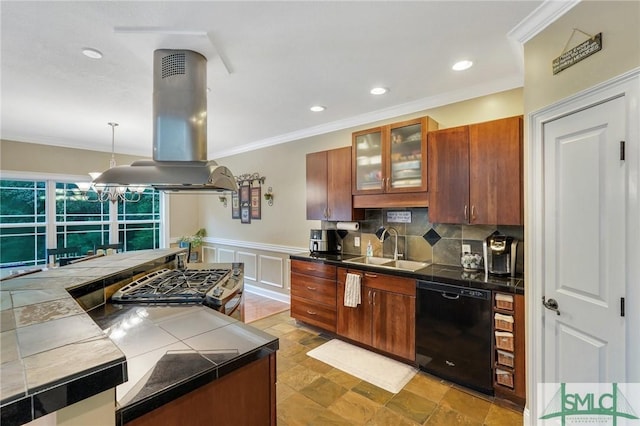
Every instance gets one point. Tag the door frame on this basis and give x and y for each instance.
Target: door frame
(627, 85)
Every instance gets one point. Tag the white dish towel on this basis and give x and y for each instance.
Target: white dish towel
(352, 296)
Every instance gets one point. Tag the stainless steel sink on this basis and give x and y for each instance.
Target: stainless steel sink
(383, 262)
(370, 260)
(409, 265)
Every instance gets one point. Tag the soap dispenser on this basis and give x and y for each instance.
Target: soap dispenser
(369, 249)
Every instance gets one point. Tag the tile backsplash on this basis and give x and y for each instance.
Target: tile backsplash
(423, 241)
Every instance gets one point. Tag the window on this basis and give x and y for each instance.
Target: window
(80, 223)
(33, 212)
(22, 223)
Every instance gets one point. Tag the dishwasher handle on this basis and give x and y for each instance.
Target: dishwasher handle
(454, 292)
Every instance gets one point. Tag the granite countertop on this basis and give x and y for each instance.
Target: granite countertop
(445, 274)
(45, 367)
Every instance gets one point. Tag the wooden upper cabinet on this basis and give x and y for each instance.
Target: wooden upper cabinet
(475, 173)
(390, 164)
(329, 186)
(495, 170)
(449, 175)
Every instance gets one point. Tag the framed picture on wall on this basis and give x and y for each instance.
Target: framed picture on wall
(255, 202)
(245, 214)
(245, 196)
(235, 206)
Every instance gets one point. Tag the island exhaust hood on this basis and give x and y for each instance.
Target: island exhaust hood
(179, 131)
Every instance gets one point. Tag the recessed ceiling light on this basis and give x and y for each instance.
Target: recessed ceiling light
(317, 108)
(462, 65)
(379, 90)
(91, 53)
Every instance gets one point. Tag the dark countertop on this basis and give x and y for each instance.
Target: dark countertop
(45, 367)
(445, 274)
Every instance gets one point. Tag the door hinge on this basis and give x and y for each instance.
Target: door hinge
(622, 306)
(621, 150)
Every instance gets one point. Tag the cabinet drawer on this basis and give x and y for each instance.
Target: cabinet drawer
(318, 289)
(391, 283)
(313, 313)
(314, 268)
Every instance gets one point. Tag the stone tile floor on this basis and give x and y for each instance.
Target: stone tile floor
(310, 392)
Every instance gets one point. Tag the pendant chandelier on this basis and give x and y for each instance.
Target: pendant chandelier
(99, 193)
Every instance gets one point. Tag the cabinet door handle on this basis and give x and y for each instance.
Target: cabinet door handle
(312, 288)
(473, 213)
(465, 213)
(374, 297)
(369, 296)
(312, 312)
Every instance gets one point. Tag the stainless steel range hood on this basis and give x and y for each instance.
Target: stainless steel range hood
(179, 133)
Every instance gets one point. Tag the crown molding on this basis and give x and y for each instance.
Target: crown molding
(543, 16)
(459, 95)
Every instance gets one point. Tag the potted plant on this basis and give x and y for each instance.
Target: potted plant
(195, 239)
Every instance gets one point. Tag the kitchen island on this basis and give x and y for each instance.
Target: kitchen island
(163, 359)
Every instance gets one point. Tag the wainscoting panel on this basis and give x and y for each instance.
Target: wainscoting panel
(226, 255)
(250, 265)
(266, 266)
(271, 271)
(209, 254)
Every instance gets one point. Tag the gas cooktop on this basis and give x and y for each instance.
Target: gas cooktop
(181, 286)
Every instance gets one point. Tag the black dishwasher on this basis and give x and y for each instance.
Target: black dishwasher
(453, 334)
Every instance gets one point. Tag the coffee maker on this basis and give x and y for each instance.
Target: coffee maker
(500, 255)
(324, 241)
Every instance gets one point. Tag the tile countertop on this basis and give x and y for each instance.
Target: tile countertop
(445, 274)
(45, 367)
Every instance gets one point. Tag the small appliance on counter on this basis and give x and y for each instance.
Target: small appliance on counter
(500, 253)
(324, 241)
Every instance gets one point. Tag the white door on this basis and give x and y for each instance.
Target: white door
(584, 246)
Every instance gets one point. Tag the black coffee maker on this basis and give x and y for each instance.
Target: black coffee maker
(500, 255)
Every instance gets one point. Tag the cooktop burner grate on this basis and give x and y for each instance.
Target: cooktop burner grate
(169, 285)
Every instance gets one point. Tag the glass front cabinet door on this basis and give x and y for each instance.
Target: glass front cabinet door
(368, 167)
(392, 158)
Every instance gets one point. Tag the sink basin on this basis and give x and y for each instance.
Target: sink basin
(408, 265)
(370, 260)
(383, 262)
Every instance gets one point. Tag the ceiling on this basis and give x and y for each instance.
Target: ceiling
(268, 62)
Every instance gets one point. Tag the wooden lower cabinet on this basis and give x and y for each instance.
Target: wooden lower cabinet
(246, 396)
(313, 294)
(385, 320)
(509, 347)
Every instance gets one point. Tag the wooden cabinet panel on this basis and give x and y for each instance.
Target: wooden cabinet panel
(391, 332)
(313, 313)
(475, 173)
(354, 323)
(329, 186)
(317, 173)
(314, 288)
(495, 150)
(449, 175)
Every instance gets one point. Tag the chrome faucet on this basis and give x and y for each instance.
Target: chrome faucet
(395, 232)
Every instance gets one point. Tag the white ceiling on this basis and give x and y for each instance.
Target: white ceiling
(282, 57)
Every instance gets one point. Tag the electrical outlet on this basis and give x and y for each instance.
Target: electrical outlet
(466, 248)
(356, 241)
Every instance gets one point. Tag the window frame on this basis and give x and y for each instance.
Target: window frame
(51, 223)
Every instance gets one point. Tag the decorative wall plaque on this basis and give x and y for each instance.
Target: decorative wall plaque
(573, 56)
